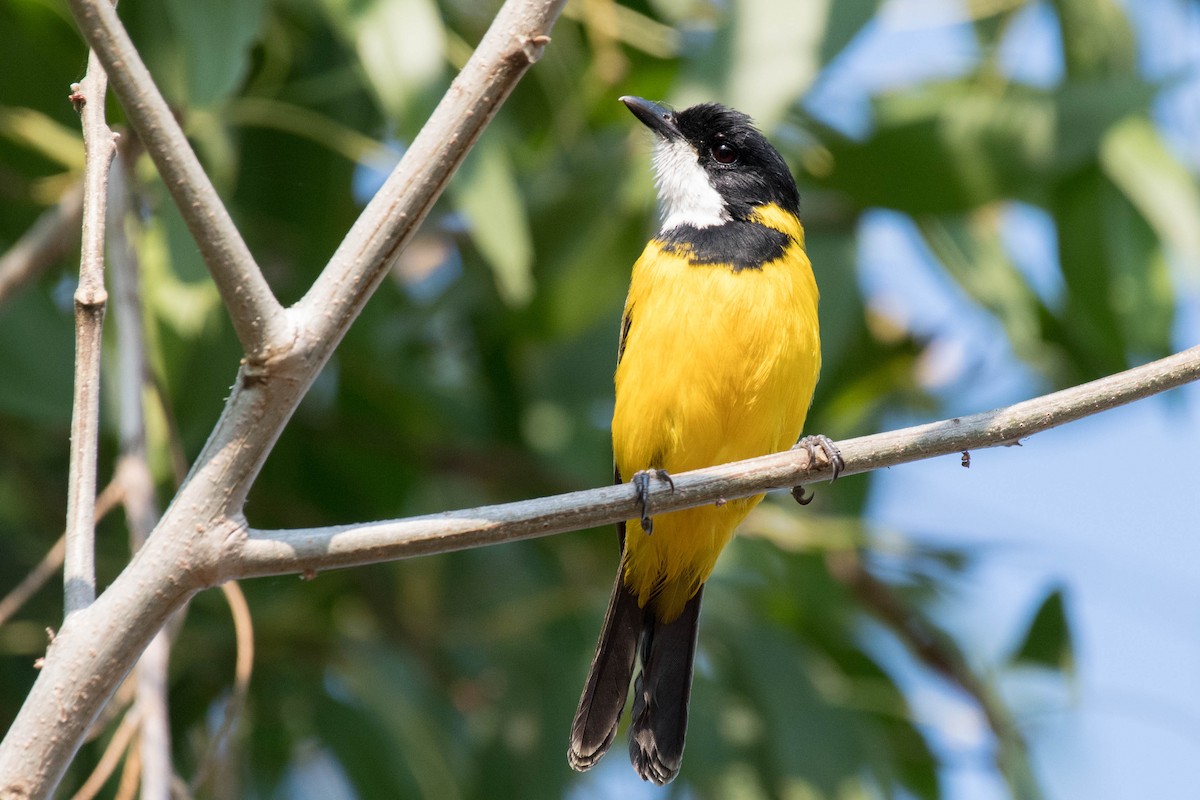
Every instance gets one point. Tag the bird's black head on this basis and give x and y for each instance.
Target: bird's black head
(712, 165)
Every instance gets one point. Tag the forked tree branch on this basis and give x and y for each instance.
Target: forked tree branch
(314, 549)
(256, 314)
(97, 646)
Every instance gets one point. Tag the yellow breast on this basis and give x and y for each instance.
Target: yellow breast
(718, 365)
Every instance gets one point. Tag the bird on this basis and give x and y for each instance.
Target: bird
(718, 358)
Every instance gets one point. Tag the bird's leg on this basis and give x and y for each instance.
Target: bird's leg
(641, 484)
(811, 444)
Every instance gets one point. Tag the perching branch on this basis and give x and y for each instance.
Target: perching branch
(99, 144)
(256, 314)
(314, 549)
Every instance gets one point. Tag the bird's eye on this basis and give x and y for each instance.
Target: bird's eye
(724, 153)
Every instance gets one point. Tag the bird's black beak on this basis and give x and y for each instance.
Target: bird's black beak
(657, 118)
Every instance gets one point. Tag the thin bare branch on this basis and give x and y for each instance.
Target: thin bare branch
(117, 746)
(51, 238)
(243, 627)
(38, 577)
(41, 574)
(130, 775)
(256, 314)
(151, 702)
(133, 467)
(99, 144)
(314, 549)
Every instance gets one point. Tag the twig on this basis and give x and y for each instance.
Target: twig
(51, 237)
(151, 701)
(130, 775)
(111, 756)
(133, 467)
(243, 627)
(309, 550)
(99, 144)
(41, 574)
(256, 314)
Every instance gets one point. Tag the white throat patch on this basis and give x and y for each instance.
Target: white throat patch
(686, 195)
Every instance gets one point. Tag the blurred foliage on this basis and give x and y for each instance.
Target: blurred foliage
(481, 371)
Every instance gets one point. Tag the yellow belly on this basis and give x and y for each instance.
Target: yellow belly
(717, 366)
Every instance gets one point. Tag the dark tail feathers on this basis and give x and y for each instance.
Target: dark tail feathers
(660, 698)
(660, 707)
(607, 684)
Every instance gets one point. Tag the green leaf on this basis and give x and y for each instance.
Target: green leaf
(410, 711)
(400, 44)
(957, 145)
(1047, 643)
(844, 21)
(36, 350)
(949, 147)
(971, 250)
(1097, 38)
(1120, 305)
(214, 39)
(765, 56)
(1135, 158)
(1087, 110)
(486, 191)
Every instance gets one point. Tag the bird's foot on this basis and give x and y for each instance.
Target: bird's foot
(811, 444)
(641, 484)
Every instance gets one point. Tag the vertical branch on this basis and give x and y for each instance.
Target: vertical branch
(133, 471)
(79, 573)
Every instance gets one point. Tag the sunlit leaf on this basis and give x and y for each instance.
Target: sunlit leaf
(214, 39)
(400, 45)
(487, 193)
(1097, 38)
(1135, 158)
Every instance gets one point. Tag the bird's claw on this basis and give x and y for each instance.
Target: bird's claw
(800, 497)
(810, 445)
(641, 484)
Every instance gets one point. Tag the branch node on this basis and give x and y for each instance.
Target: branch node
(89, 299)
(77, 97)
(534, 46)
